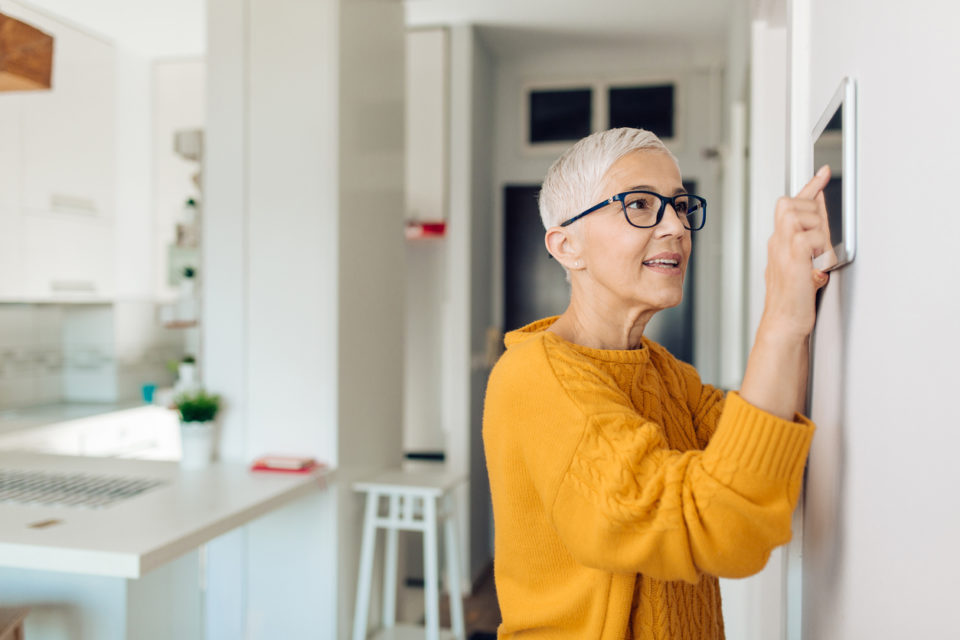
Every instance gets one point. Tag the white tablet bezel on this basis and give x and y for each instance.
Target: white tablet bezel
(846, 96)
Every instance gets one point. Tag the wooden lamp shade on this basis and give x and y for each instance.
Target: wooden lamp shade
(26, 56)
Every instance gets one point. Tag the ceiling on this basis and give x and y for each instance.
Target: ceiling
(171, 28)
(511, 26)
(174, 28)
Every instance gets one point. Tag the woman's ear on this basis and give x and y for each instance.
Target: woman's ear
(564, 245)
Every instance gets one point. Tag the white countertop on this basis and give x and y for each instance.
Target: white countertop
(39, 416)
(136, 535)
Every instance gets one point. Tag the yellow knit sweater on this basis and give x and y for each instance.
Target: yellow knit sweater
(613, 515)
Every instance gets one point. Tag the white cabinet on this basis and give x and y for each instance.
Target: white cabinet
(68, 132)
(57, 173)
(66, 256)
(426, 114)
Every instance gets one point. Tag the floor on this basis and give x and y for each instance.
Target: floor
(481, 612)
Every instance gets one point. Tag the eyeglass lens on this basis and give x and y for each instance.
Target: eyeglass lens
(642, 208)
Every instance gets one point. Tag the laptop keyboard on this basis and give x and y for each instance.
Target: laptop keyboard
(43, 488)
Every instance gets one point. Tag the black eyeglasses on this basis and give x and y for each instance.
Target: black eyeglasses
(644, 209)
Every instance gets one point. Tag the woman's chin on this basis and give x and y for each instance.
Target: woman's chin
(662, 303)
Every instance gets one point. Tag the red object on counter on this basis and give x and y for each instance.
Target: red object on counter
(416, 230)
(285, 464)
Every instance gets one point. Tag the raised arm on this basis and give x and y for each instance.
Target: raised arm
(775, 379)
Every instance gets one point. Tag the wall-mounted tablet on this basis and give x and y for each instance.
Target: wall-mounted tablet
(835, 143)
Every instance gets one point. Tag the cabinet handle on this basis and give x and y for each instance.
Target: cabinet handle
(78, 286)
(73, 204)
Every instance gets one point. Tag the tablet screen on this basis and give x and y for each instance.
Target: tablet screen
(828, 149)
(833, 145)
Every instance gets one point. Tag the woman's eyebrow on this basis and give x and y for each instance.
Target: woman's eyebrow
(648, 187)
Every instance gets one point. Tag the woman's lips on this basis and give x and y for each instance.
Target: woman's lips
(667, 263)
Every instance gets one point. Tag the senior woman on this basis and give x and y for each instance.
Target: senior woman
(622, 485)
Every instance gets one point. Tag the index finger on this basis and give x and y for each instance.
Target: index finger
(821, 201)
(816, 184)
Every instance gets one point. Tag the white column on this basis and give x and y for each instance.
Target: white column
(224, 301)
(304, 262)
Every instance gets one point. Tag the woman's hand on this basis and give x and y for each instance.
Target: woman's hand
(801, 234)
(776, 375)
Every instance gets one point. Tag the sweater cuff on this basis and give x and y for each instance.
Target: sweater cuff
(753, 440)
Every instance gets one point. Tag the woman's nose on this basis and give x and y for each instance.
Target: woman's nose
(670, 223)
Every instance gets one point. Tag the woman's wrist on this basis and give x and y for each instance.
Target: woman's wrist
(782, 331)
(776, 371)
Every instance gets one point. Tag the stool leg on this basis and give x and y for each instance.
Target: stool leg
(453, 569)
(390, 567)
(365, 575)
(431, 577)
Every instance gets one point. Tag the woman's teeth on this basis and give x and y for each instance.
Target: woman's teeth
(661, 263)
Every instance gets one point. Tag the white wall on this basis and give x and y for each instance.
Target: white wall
(881, 516)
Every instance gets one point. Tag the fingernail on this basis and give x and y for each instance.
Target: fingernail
(823, 170)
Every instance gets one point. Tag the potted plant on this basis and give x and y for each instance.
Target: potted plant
(198, 411)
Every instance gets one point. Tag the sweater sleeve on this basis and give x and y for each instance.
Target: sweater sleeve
(628, 503)
(705, 402)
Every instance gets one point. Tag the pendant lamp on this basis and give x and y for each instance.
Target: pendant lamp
(26, 56)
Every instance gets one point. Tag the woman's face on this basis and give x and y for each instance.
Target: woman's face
(643, 269)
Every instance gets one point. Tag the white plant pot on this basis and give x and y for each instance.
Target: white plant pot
(196, 444)
(186, 376)
(187, 287)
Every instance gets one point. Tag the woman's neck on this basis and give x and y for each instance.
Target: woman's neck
(598, 324)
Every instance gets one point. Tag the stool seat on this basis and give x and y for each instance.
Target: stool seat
(433, 483)
(411, 501)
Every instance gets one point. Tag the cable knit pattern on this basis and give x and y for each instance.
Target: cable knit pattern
(622, 487)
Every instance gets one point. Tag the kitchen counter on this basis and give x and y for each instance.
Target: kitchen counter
(130, 538)
(100, 430)
(30, 417)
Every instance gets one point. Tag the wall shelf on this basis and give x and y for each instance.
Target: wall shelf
(180, 324)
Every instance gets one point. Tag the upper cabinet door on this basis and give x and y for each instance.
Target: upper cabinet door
(427, 124)
(66, 258)
(68, 139)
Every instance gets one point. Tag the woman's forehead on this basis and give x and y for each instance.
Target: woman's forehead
(643, 169)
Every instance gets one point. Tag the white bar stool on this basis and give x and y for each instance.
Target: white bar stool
(416, 501)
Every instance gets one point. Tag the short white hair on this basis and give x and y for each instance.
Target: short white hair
(572, 182)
